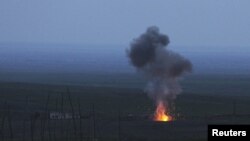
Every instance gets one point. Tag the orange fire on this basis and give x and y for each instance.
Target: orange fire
(161, 113)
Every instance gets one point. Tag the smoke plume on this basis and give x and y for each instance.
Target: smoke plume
(163, 67)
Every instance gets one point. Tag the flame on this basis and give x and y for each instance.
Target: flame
(161, 113)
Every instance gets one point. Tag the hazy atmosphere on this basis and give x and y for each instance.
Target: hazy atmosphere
(72, 36)
(191, 23)
(131, 70)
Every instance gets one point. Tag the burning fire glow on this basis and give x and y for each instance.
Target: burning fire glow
(161, 113)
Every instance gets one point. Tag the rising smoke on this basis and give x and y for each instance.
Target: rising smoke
(148, 53)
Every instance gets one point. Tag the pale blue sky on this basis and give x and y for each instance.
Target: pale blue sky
(187, 22)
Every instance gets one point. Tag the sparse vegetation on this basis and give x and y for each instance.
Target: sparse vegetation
(119, 112)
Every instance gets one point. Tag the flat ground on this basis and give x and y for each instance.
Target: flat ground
(114, 107)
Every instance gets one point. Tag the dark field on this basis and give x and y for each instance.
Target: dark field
(114, 107)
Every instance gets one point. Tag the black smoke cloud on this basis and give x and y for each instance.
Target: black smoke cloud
(149, 54)
(142, 50)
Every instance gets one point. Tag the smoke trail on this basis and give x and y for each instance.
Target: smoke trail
(148, 53)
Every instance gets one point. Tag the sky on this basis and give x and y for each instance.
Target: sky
(187, 22)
